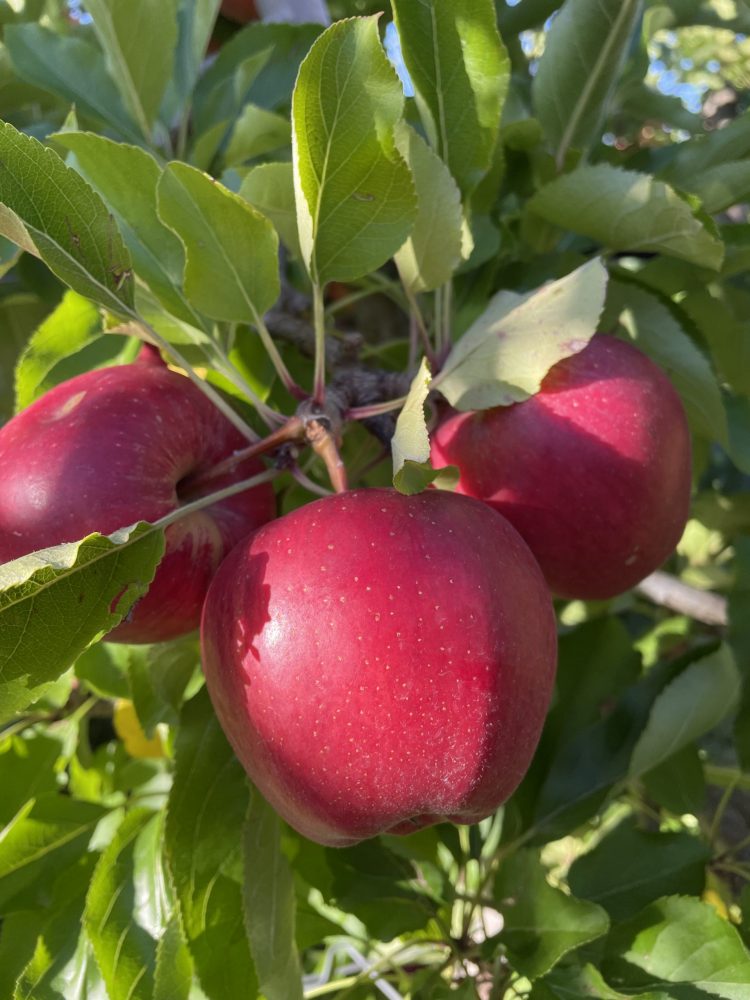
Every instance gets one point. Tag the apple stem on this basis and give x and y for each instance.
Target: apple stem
(319, 317)
(211, 498)
(324, 445)
(292, 430)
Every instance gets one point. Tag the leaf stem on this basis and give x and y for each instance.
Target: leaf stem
(277, 361)
(374, 409)
(292, 430)
(416, 316)
(319, 320)
(211, 498)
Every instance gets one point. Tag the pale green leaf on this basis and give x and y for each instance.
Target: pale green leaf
(682, 946)
(583, 55)
(434, 248)
(270, 188)
(691, 705)
(195, 23)
(125, 951)
(49, 210)
(231, 271)
(269, 902)
(127, 178)
(73, 70)
(541, 923)
(628, 211)
(207, 807)
(460, 71)
(410, 445)
(55, 602)
(505, 354)
(354, 193)
(73, 325)
(139, 40)
(255, 133)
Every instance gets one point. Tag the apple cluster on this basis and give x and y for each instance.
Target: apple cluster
(379, 662)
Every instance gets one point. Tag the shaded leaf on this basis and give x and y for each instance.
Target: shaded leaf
(270, 188)
(629, 211)
(630, 868)
(583, 55)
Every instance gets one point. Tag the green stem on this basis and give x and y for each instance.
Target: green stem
(319, 319)
(212, 498)
(277, 361)
(720, 810)
(416, 315)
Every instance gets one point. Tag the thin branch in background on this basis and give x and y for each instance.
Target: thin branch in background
(310, 484)
(669, 592)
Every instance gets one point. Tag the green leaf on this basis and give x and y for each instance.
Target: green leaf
(139, 39)
(628, 211)
(680, 945)
(433, 251)
(72, 69)
(541, 924)
(355, 196)
(256, 132)
(17, 943)
(73, 325)
(695, 701)
(583, 56)
(410, 445)
(127, 178)
(572, 982)
(460, 71)
(269, 903)
(173, 977)
(231, 270)
(725, 333)
(630, 868)
(270, 188)
(43, 826)
(653, 324)
(721, 186)
(125, 952)
(27, 765)
(51, 212)
(203, 838)
(55, 602)
(62, 966)
(505, 354)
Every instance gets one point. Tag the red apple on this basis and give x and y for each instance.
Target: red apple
(594, 471)
(239, 11)
(112, 447)
(381, 662)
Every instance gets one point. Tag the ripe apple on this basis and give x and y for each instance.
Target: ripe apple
(239, 11)
(594, 471)
(381, 662)
(112, 447)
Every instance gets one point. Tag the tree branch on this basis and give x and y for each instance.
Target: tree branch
(669, 592)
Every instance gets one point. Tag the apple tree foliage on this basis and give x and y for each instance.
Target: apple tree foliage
(281, 216)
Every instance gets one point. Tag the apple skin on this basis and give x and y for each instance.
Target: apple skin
(594, 471)
(239, 11)
(380, 663)
(109, 448)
